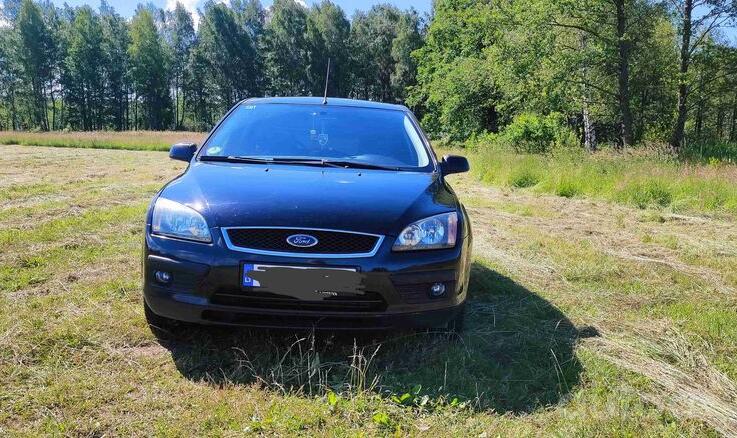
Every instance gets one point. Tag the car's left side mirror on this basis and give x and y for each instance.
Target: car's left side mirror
(183, 151)
(454, 164)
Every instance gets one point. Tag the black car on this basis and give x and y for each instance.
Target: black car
(301, 213)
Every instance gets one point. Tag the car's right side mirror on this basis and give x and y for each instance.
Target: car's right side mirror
(183, 151)
(454, 164)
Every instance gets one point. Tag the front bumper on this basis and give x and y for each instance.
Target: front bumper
(206, 287)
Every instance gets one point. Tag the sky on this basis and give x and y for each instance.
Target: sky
(127, 7)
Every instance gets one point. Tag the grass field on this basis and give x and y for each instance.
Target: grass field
(130, 140)
(586, 318)
(637, 178)
(642, 179)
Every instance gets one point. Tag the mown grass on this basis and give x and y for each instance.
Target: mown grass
(641, 180)
(130, 140)
(552, 281)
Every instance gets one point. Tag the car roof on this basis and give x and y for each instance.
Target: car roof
(332, 101)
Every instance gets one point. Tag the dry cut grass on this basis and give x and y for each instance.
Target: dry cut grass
(133, 140)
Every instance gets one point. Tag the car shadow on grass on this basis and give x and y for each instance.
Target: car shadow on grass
(516, 355)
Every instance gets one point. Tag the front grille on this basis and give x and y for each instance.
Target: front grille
(275, 239)
(368, 302)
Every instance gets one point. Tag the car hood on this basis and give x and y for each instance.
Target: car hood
(371, 201)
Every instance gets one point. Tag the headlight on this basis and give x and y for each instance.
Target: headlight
(176, 220)
(432, 233)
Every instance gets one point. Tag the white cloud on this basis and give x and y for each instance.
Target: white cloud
(302, 3)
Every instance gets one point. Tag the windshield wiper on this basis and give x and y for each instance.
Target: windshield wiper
(298, 161)
(233, 159)
(270, 160)
(358, 165)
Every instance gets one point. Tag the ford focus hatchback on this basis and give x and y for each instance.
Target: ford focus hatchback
(296, 213)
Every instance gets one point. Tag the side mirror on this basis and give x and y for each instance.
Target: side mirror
(183, 151)
(454, 164)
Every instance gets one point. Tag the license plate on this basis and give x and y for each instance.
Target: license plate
(302, 281)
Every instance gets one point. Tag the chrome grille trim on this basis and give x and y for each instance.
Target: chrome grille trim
(231, 246)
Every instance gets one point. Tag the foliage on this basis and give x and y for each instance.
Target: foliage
(35, 55)
(615, 70)
(229, 56)
(181, 37)
(83, 72)
(149, 72)
(327, 35)
(612, 64)
(532, 133)
(456, 91)
(84, 69)
(286, 49)
(380, 41)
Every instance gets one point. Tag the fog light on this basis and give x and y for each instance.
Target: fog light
(162, 277)
(437, 290)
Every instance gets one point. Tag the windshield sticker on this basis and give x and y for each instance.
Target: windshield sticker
(322, 139)
(250, 107)
(214, 150)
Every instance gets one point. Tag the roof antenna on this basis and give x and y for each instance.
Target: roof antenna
(327, 78)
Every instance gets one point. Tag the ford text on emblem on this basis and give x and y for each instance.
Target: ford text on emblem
(302, 240)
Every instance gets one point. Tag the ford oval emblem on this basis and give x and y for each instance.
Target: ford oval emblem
(302, 240)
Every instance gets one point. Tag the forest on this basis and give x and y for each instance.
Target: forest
(536, 74)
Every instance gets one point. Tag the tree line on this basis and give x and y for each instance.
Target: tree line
(621, 71)
(84, 69)
(624, 72)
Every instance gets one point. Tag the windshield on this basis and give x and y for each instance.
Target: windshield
(363, 135)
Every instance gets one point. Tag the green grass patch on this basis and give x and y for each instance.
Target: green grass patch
(640, 180)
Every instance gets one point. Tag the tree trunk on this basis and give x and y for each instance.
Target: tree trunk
(176, 104)
(699, 120)
(45, 107)
(53, 107)
(61, 111)
(13, 111)
(676, 140)
(589, 134)
(184, 108)
(492, 121)
(733, 129)
(40, 105)
(623, 75)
